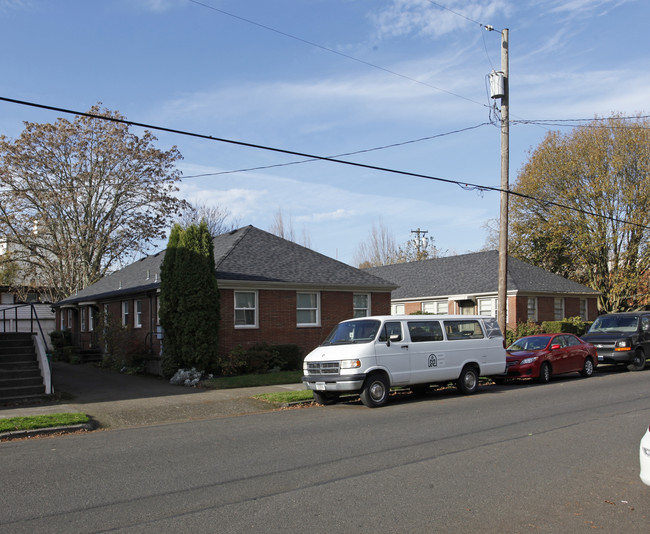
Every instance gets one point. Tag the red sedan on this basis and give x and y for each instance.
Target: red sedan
(545, 355)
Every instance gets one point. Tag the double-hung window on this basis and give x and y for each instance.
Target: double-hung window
(307, 309)
(91, 319)
(532, 309)
(245, 309)
(138, 314)
(82, 312)
(125, 313)
(437, 307)
(558, 308)
(361, 304)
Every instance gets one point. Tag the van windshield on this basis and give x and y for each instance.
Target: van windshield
(353, 332)
(614, 323)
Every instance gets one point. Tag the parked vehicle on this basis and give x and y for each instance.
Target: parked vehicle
(370, 355)
(621, 338)
(644, 457)
(544, 355)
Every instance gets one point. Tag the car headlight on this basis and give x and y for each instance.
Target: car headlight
(350, 364)
(623, 344)
(528, 360)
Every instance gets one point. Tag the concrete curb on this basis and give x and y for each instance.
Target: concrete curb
(23, 434)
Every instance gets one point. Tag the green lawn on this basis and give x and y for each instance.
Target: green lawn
(42, 421)
(282, 397)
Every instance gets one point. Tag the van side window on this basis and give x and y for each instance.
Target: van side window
(391, 331)
(425, 331)
(465, 329)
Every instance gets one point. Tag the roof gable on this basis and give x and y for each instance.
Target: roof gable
(474, 273)
(244, 255)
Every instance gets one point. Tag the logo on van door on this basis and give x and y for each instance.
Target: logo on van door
(433, 360)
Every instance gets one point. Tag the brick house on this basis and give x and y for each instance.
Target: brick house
(271, 290)
(468, 284)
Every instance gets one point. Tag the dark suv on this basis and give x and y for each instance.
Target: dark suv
(621, 338)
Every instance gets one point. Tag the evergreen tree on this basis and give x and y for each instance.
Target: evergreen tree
(190, 299)
(169, 303)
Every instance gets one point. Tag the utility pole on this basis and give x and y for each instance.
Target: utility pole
(505, 187)
(420, 241)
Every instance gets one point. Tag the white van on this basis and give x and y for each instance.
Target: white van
(370, 355)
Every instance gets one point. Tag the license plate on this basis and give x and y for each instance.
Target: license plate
(600, 358)
(320, 386)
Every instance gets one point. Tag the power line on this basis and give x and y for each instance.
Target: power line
(332, 51)
(363, 151)
(459, 183)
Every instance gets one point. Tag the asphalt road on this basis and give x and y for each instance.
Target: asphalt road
(515, 458)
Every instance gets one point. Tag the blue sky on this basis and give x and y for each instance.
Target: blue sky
(328, 77)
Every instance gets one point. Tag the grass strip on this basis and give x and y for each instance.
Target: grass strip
(281, 397)
(34, 422)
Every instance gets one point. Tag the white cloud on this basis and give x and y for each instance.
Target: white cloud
(424, 18)
(585, 7)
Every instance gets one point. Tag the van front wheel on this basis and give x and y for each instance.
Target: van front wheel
(326, 399)
(375, 391)
(467, 382)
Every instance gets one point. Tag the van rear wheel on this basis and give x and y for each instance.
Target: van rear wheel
(467, 382)
(375, 391)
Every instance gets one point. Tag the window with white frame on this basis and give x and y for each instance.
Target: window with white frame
(82, 312)
(558, 308)
(245, 309)
(138, 314)
(307, 309)
(583, 309)
(69, 325)
(397, 309)
(125, 313)
(488, 307)
(361, 304)
(532, 309)
(437, 307)
(91, 319)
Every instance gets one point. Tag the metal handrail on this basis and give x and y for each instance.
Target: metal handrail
(33, 316)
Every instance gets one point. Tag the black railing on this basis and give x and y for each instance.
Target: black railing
(33, 319)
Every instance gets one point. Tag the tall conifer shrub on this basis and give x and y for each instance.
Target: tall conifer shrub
(189, 299)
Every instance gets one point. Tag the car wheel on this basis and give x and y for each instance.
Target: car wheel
(467, 382)
(588, 368)
(375, 391)
(544, 373)
(638, 362)
(326, 399)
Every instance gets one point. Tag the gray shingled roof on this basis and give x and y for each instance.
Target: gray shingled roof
(244, 255)
(474, 273)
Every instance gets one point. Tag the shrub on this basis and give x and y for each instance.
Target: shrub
(62, 348)
(261, 358)
(521, 330)
(292, 355)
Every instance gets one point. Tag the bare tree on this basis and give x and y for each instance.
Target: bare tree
(381, 248)
(78, 197)
(216, 217)
(285, 230)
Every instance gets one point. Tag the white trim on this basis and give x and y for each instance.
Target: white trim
(255, 309)
(316, 309)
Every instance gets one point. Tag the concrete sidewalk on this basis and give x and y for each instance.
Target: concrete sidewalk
(115, 400)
